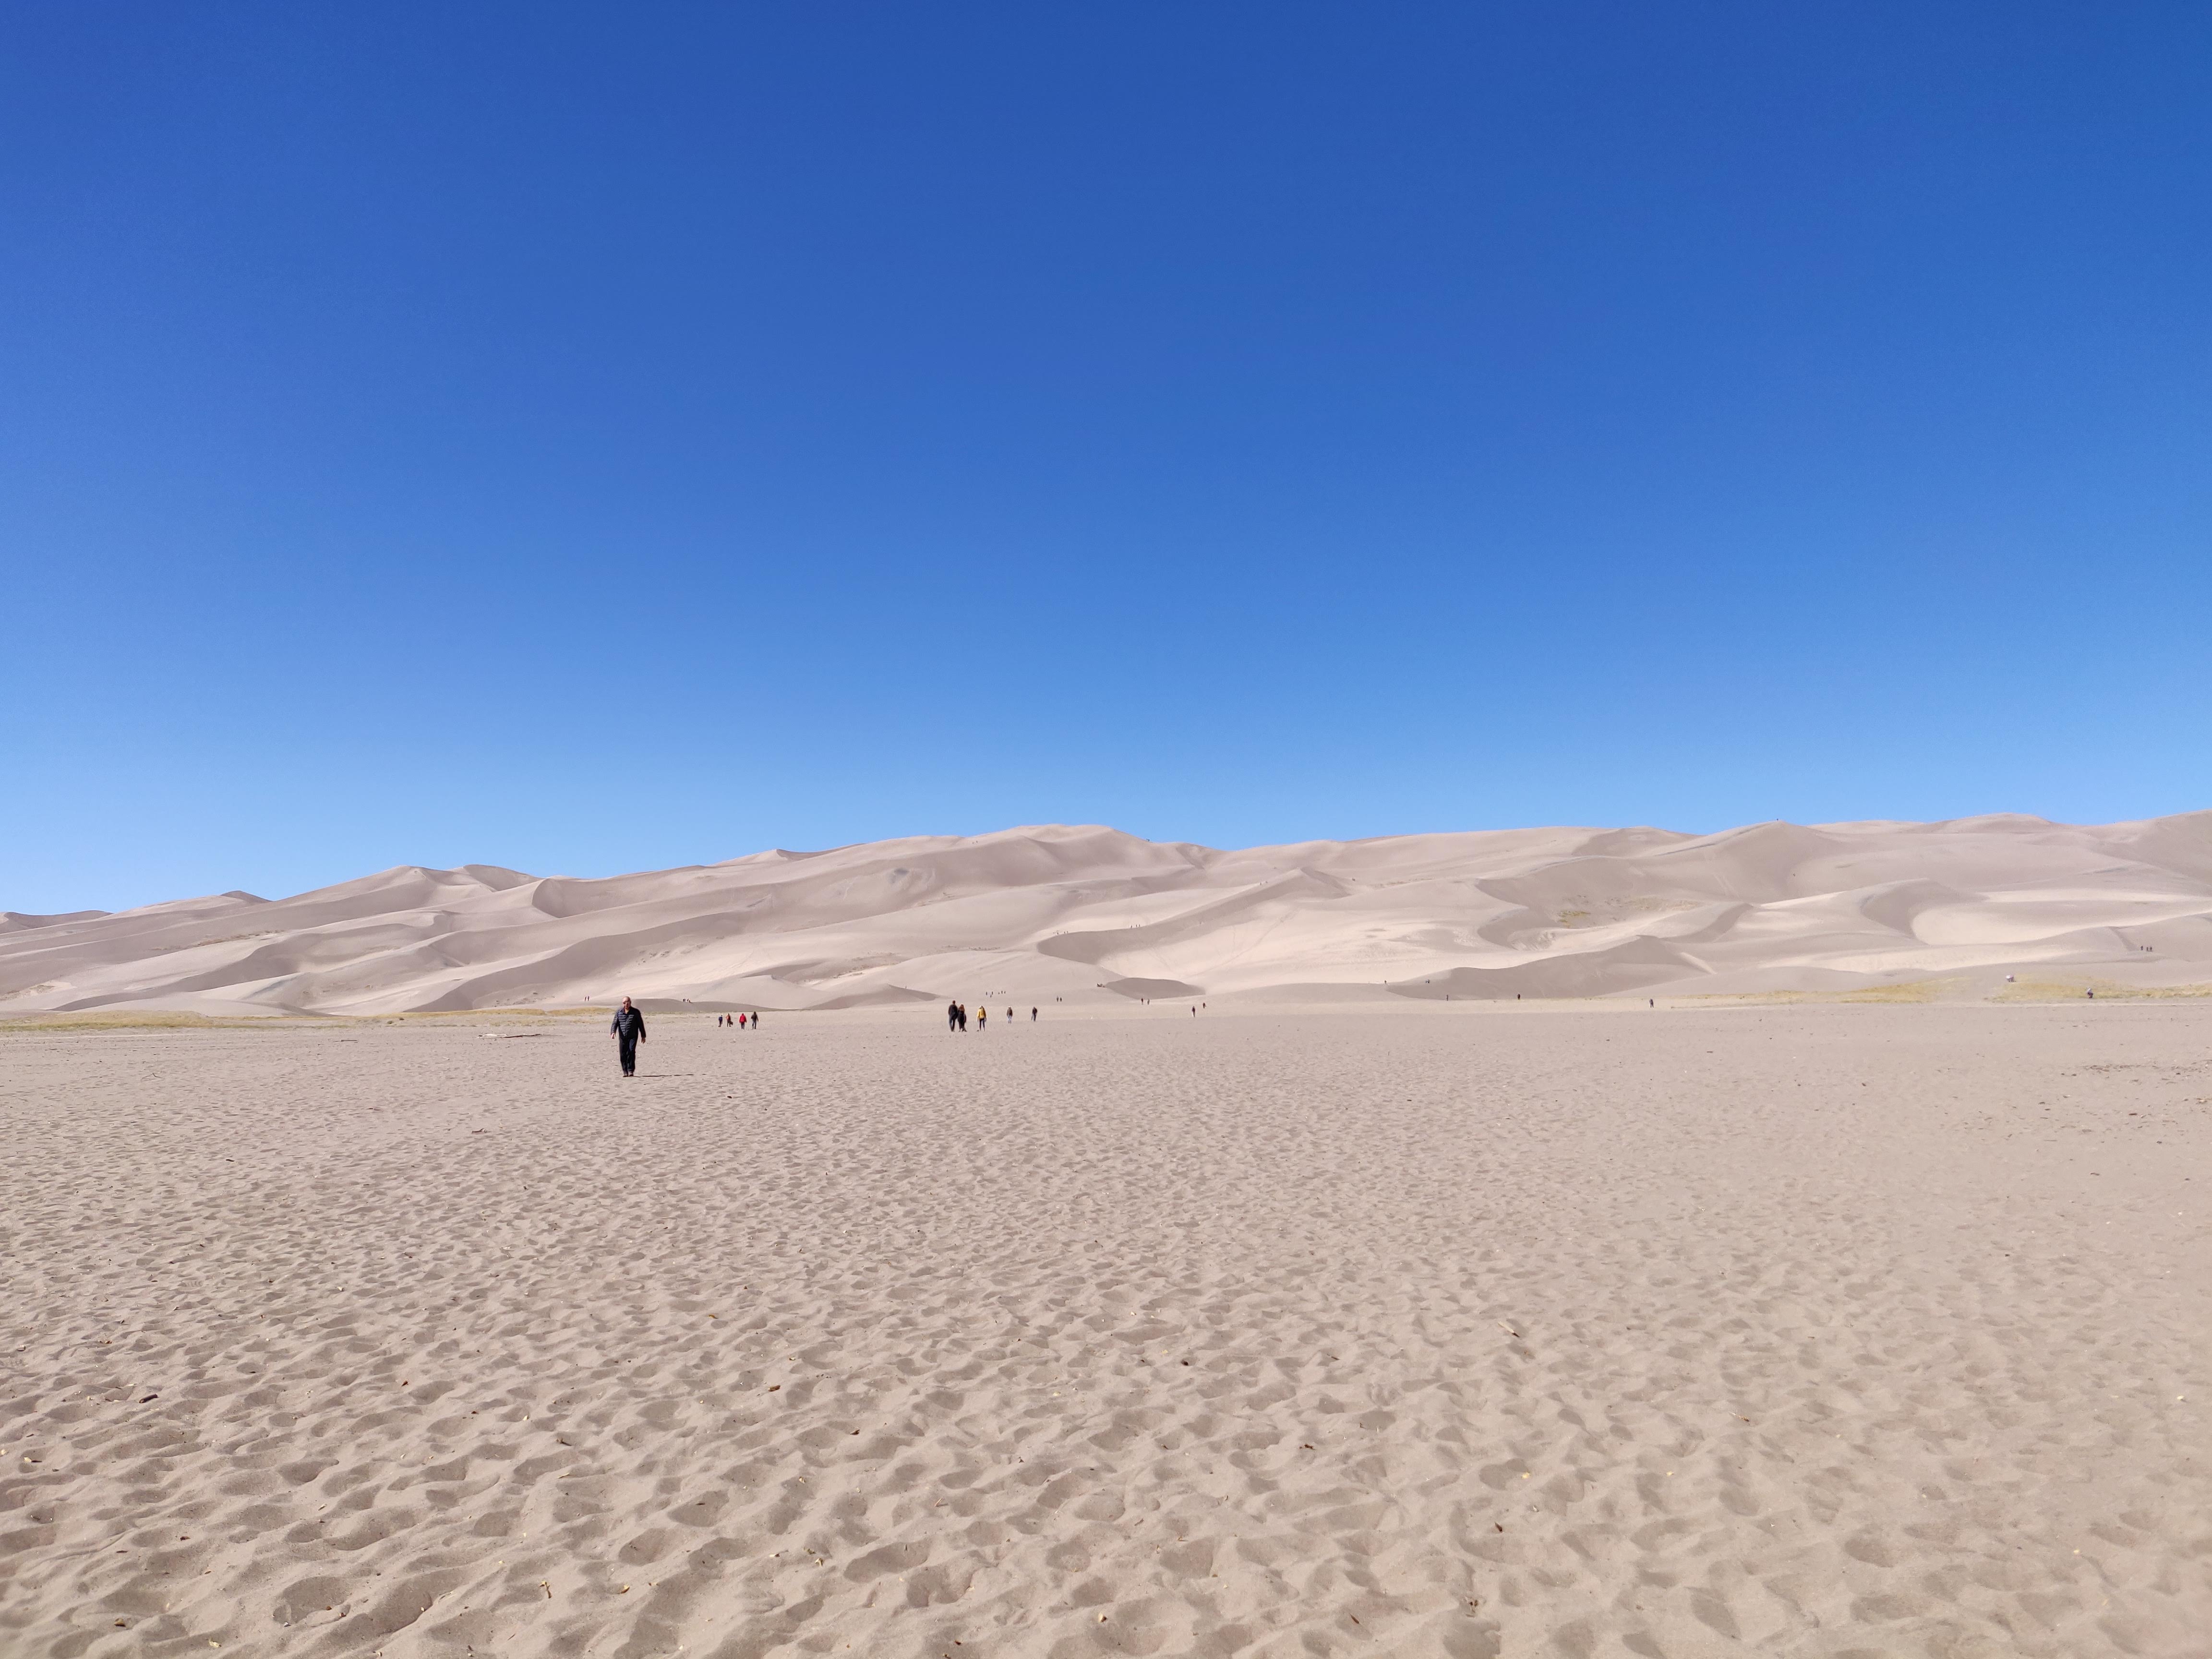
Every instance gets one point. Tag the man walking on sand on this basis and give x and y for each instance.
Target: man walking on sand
(628, 1031)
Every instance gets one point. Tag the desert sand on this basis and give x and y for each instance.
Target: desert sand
(1086, 913)
(1407, 1328)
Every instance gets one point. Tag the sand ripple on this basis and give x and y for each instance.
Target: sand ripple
(1834, 1332)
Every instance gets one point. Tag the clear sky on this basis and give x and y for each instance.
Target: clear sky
(591, 438)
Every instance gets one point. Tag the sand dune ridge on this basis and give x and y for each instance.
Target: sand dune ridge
(1046, 911)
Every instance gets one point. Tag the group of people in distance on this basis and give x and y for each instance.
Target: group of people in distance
(955, 1017)
(628, 1030)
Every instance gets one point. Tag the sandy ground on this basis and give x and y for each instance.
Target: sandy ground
(1433, 1329)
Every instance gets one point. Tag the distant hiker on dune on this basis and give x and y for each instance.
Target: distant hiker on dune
(951, 1016)
(628, 1031)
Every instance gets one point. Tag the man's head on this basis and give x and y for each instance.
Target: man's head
(625, 1002)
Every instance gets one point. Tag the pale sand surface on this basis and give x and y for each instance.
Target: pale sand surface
(1417, 1329)
(1973, 908)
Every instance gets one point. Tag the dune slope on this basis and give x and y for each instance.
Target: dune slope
(1086, 912)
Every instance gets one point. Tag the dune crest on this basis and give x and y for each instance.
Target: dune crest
(1086, 912)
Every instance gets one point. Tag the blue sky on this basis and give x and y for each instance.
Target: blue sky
(594, 439)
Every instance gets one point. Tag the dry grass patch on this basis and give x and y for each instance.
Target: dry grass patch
(94, 1019)
(1912, 990)
(2077, 986)
(1758, 997)
(161, 1019)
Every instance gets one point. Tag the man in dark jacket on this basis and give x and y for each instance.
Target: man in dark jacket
(628, 1031)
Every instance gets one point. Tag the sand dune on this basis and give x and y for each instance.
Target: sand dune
(1086, 912)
